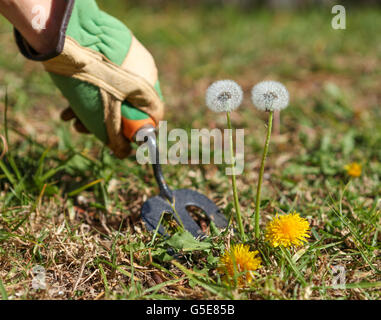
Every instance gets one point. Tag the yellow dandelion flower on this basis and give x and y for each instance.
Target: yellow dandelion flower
(353, 169)
(287, 230)
(239, 261)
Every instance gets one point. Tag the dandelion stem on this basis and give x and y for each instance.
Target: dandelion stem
(260, 178)
(234, 183)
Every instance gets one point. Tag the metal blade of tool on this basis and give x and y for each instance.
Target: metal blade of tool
(181, 199)
(153, 208)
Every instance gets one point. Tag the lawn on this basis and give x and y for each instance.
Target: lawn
(68, 205)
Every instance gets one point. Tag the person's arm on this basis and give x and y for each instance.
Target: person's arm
(21, 14)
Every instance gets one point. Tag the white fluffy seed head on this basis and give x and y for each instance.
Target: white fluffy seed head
(224, 96)
(270, 96)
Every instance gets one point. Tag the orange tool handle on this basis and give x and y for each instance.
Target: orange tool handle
(131, 127)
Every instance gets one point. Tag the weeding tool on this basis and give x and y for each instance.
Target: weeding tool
(175, 202)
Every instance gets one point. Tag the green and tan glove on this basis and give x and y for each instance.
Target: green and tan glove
(108, 77)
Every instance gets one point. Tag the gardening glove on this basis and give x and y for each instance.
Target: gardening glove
(108, 77)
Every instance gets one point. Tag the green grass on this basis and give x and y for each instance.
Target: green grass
(68, 205)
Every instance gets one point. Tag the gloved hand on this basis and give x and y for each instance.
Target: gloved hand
(108, 77)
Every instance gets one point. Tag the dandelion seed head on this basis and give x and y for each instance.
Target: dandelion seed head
(287, 230)
(270, 96)
(241, 262)
(224, 96)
